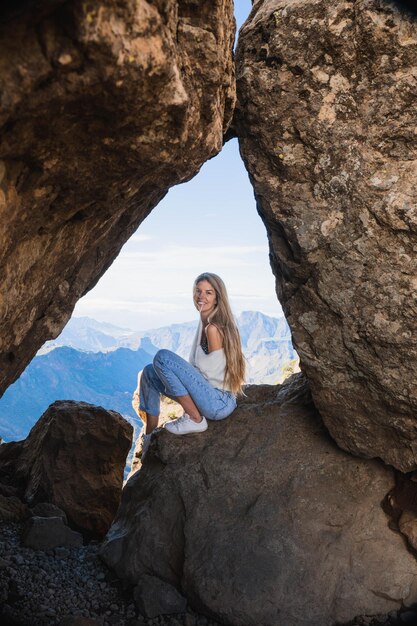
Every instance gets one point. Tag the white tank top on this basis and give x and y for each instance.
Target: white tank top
(212, 365)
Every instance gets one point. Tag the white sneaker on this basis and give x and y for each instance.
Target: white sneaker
(184, 425)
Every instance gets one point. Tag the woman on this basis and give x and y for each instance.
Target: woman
(207, 386)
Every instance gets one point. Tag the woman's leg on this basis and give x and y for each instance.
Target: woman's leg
(150, 390)
(189, 407)
(176, 378)
(189, 387)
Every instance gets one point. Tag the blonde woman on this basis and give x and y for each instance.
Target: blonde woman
(206, 387)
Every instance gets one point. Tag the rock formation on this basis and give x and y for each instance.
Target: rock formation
(264, 520)
(326, 120)
(74, 458)
(47, 533)
(12, 509)
(103, 107)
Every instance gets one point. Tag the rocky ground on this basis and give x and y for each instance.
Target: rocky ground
(73, 587)
(49, 577)
(40, 588)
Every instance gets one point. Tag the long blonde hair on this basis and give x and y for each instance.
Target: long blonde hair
(222, 318)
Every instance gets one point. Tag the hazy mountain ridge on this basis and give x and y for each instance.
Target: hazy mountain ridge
(87, 334)
(98, 363)
(176, 337)
(104, 379)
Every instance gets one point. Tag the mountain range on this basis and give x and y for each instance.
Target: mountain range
(98, 363)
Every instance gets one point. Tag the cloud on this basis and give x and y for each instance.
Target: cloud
(189, 251)
(159, 282)
(249, 296)
(140, 238)
(187, 256)
(134, 306)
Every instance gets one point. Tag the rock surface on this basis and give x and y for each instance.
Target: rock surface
(46, 509)
(68, 586)
(12, 509)
(401, 505)
(326, 124)
(46, 533)
(262, 519)
(103, 107)
(155, 597)
(73, 457)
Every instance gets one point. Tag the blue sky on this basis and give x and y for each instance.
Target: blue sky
(207, 224)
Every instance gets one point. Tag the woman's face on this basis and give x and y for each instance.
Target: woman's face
(205, 297)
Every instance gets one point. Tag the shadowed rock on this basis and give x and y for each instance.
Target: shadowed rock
(72, 620)
(155, 597)
(73, 457)
(264, 520)
(12, 509)
(46, 509)
(45, 533)
(103, 107)
(326, 122)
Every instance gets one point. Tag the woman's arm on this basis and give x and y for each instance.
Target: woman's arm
(214, 338)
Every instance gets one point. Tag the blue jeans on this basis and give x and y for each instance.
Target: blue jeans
(172, 376)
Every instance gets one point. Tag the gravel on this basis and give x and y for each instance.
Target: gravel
(41, 588)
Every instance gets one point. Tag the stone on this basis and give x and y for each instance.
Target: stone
(407, 525)
(262, 519)
(155, 597)
(61, 553)
(409, 617)
(12, 509)
(45, 533)
(46, 509)
(72, 620)
(327, 131)
(104, 107)
(74, 458)
(401, 506)
(8, 490)
(3, 564)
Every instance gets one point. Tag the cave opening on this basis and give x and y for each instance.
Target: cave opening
(143, 302)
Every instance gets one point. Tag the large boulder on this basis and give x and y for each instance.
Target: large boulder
(327, 128)
(103, 107)
(262, 519)
(73, 457)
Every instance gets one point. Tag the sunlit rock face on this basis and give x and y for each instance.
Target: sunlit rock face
(263, 519)
(103, 107)
(327, 124)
